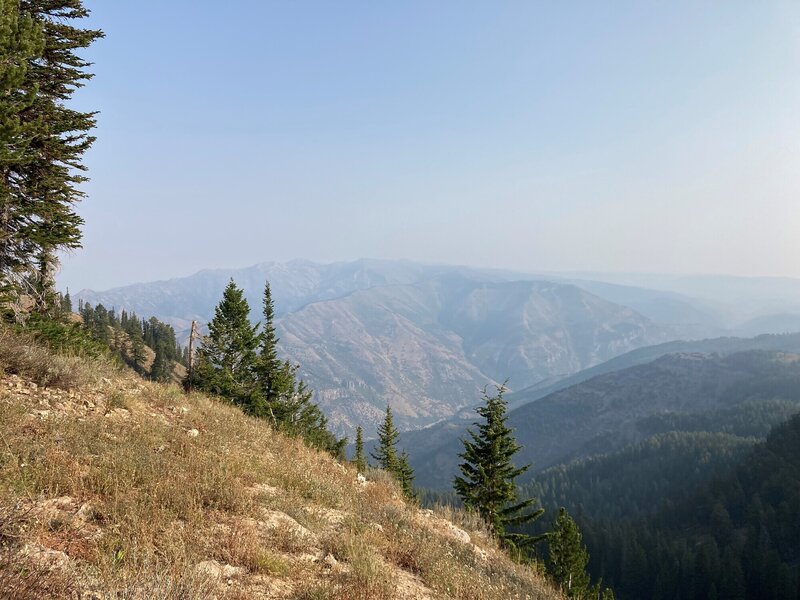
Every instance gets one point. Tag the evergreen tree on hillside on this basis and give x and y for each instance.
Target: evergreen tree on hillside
(21, 42)
(360, 459)
(66, 303)
(280, 396)
(487, 484)
(43, 188)
(162, 367)
(226, 361)
(388, 459)
(297, 415)
(568, 557)
(405, 475)
(275, 380)
(385, 453)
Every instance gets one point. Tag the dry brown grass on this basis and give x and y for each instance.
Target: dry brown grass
(20, 577)
(141, 502)
(21, 355)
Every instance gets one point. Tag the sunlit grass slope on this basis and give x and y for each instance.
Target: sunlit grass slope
(129, 489)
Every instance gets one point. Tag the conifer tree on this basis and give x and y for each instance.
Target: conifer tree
(385, 452)
(281, 396)
(568, 557)
(66, 303)
(487, 484)
(48, 183)
(226, 361)
(405, 475)
(41, 166)
(359, 459)
(387, 457)
(161, 369)
(21, 41)
(275, 379)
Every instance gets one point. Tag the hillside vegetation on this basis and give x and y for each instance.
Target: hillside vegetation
(676, 392)
(690, 515)
(112, 484)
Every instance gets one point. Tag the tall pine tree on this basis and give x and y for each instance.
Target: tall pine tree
(487, 482)
(385, 453)
(274, 380)
(21, 41)
(405, 475)
(568, 557)
(281, 396)
(41, 190)
(388, 459)
(226, 361)
(360, 459)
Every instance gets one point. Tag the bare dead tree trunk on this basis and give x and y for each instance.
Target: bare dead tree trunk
(192, 335)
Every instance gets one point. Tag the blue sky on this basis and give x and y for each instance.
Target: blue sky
(615, 136)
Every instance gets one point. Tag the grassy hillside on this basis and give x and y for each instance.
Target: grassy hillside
(111, 484)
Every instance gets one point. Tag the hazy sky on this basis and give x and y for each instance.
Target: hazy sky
(646, 136)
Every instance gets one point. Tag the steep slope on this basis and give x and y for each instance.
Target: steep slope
(604, 413)
(734, 535)
(697, 318)
(441, 438)
(428, 348)
(612, 410)
(639, 479)
(722, 346)
(111, 486)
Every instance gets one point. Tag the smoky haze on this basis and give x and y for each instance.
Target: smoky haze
(532, 136)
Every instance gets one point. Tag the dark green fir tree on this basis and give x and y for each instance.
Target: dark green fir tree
(360, 460)
(487, 482)
(385, 453)
(281, 396)
(47, 184)
(388, 458)
(66, 303)
(275, 381)
(226, 360)
(22, 43)
(567, 558)
(405, 475)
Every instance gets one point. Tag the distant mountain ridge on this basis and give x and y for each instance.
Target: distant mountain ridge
(428, 348)
(424, 339)
(427, 338)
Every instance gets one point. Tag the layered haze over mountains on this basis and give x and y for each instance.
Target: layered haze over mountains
(427, 338)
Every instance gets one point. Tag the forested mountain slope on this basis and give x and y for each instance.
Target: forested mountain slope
(789, 342)
(687, 516)
(620, 408)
